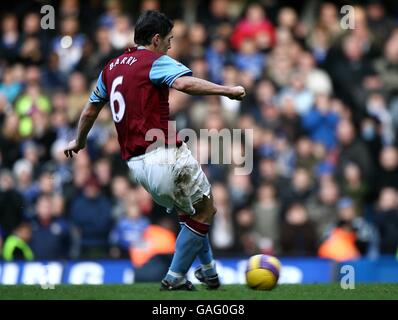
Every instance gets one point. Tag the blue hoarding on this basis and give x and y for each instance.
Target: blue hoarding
(231, 271)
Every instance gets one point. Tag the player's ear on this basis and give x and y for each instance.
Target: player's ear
(156, 39)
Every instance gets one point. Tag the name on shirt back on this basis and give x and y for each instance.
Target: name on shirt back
(126, 60)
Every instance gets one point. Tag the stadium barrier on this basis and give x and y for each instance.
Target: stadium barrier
(231, 270)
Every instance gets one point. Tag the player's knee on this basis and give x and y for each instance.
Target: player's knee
(210, 210)
(199, 223)
(207, 215)
(209, 218)
(213, 212)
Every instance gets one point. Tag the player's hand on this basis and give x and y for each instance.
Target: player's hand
(73, 147)
(237, 93)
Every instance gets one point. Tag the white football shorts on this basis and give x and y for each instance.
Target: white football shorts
(172, 176)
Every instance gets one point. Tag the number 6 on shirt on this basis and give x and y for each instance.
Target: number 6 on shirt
(117, 96)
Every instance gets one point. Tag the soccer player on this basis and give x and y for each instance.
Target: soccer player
(136, 85)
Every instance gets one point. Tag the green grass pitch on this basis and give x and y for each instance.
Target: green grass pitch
(150, 291)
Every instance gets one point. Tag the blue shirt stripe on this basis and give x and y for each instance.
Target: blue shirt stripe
(99, 93)
(166, 70)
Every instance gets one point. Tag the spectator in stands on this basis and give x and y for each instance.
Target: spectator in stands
(254, 26)
(113, 9)
(303, 98)
(379, 23)
(120, 33)
(23, 172)
(77, 95)
(97, 56)
(370, 133)
(90, 214)
(387, 175)
(10, 40)
(299, 190)
(280, 64)
(340, 245)
(248, 59)
(217, 18)
(352, 150)
(266, 219)
(11, 203)
(262, 96)
(246, 236)
(290, 122)
(351, 236)
(45, 185)
(316, 80)
(145, 203)
(153, 257)
(31, 28)
(103, 172)
(59, 166)
(81, 171)
(305, 157)
(68, 45)
(387, 65)
(217, 56)
(30, 51)
(352, 73)
(322, 207)
(268, 172)
(297, 233)
(222, 234)
(363, 33)
(285, 155)
(128, 231)
(16, 245)
(240, 190)
(386, 220)
(325, 32)
(321, 122)
(110, 149)
(197, 35)
(28, 105)
(120, 189)
(376, 106)
(354, 187)
(52, 77)
(50, 233)
(59, 122)
(287, 19)
(367, 235)
(10, 87)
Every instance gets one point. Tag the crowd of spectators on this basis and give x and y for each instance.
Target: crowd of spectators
(322, 102)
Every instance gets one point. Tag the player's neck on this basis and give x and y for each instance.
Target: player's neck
(152, 48)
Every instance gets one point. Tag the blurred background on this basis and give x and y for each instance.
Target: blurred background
(322, 100)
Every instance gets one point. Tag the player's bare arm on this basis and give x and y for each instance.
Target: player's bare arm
(196, 86)
(86, 121)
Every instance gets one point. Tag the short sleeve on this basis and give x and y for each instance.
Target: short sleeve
(99, 93)
(166, 70)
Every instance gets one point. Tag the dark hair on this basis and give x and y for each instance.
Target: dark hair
(150, 23)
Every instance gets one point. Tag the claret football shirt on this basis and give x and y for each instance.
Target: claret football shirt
(136, 84)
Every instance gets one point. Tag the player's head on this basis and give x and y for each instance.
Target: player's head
(153, 28)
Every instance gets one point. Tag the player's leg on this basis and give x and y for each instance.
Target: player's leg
(191, 194)
(207, 272)
(192, 241)
(158, 178)
(207, 264)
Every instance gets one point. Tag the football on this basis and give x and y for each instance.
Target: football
(262, 272)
